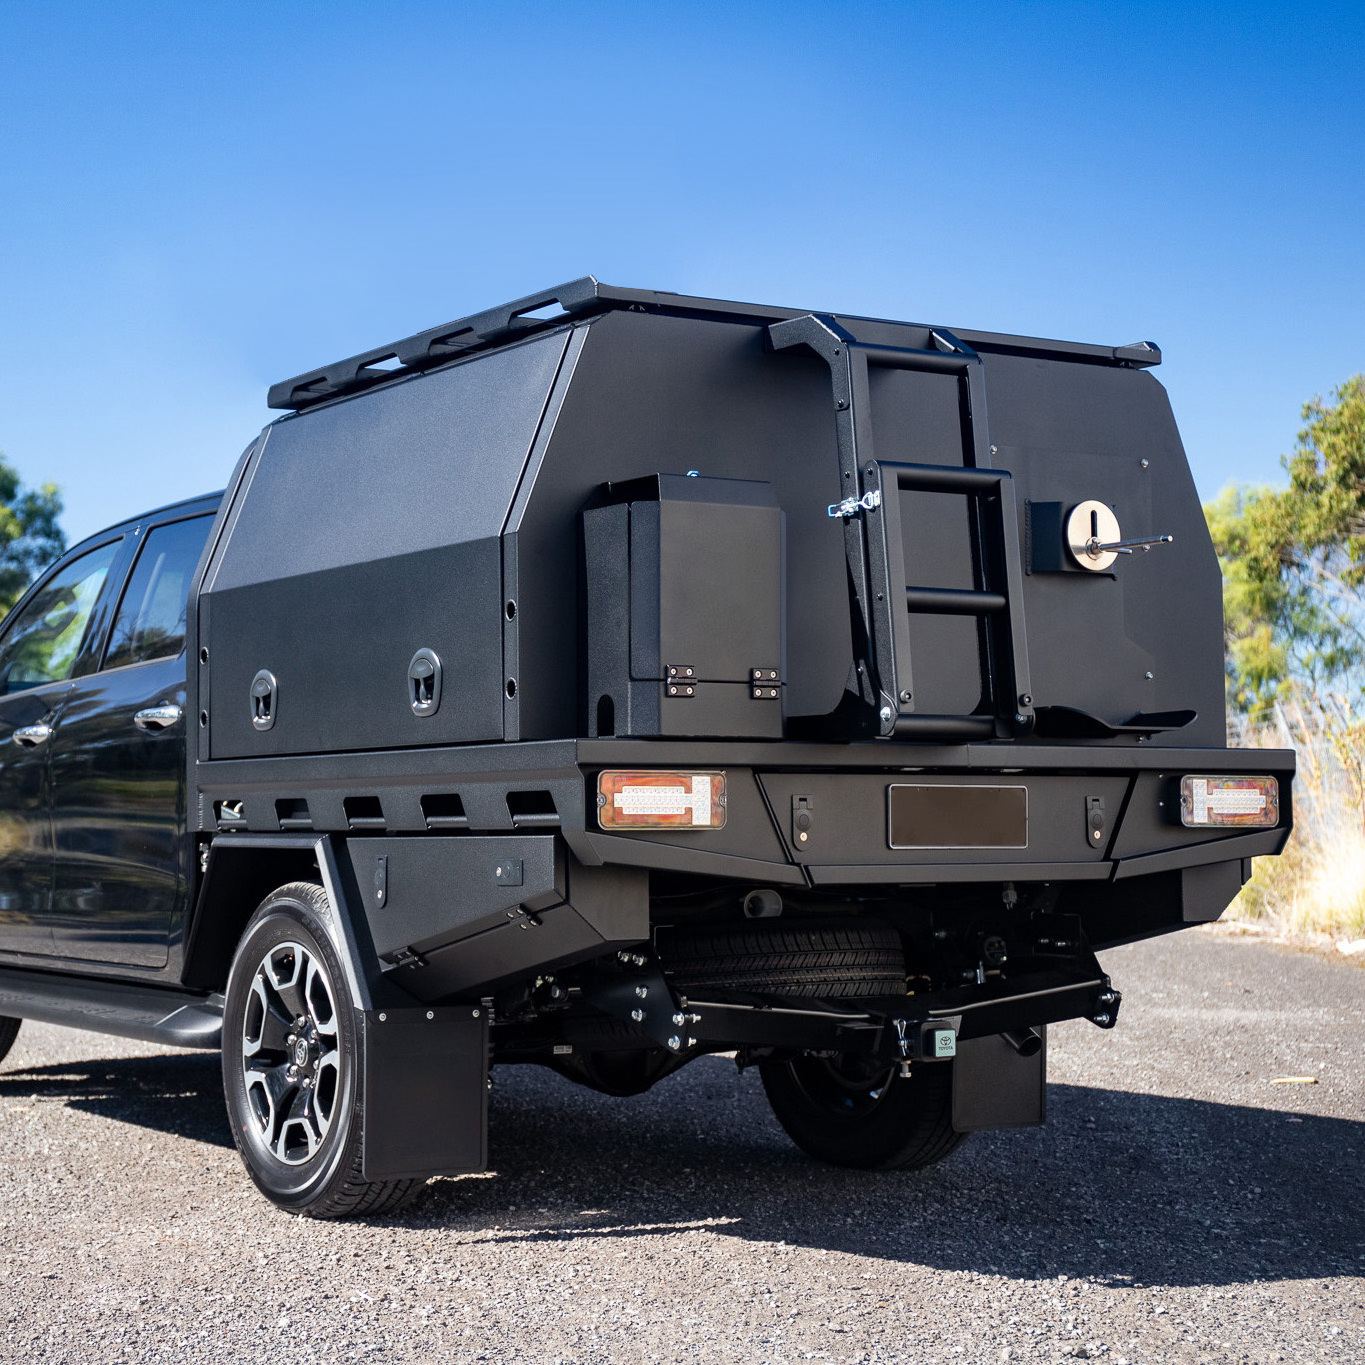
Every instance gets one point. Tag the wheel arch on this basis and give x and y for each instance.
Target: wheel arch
(242, 871)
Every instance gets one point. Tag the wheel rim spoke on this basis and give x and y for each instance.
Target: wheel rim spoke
(267, 1024)
(283, 969)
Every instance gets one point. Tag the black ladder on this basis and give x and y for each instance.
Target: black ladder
(870, 511)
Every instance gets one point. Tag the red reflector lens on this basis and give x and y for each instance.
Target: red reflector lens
(1229, 801)
(655, 800)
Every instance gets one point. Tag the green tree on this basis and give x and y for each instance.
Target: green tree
(30, 538)
(1294, 562)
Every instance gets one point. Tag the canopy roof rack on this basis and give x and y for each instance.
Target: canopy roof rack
(585, 297)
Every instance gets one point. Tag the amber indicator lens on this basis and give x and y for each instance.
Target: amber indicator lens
(1252, 802)
(655, 800)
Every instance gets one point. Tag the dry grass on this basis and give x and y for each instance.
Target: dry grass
(1316, 888)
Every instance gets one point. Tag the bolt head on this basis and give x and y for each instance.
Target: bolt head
(674, 1043)
(1102, 1019)
(885, 714)
(642, 991)
(678, 1021)
(431, 1014)
(638, 1016)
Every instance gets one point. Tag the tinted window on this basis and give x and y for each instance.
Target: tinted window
(151, 618)
(45, 639)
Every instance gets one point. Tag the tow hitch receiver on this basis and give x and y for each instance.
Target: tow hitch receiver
(937, 1041)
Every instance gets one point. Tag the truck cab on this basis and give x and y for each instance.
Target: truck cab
(93, 678)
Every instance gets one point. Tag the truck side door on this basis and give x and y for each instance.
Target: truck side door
(39, 650)
(118, 768)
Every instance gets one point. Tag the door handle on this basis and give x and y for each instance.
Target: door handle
(31, 736)
(156, 718)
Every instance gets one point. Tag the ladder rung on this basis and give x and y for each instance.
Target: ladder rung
(944, 727)
(945, 478)
(954, 601)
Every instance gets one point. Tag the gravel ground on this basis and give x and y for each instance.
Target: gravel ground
(1176, 1207)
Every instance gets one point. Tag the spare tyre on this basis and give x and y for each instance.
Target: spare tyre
(829, 959)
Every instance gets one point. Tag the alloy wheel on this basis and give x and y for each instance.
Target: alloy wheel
(291, 1055)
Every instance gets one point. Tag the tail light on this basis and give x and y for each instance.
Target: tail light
(660, 800)
(1248, 802)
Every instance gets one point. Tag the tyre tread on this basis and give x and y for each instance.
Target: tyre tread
(826, 959)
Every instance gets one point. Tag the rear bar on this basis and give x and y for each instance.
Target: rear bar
(1080, 991)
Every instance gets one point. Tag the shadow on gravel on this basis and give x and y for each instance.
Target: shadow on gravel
(181, 1094)
(1128, 1188)
(1121, 1187)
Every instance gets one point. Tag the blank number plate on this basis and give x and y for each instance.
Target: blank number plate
(957, 817)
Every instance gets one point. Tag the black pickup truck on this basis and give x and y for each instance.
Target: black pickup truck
(614, 678)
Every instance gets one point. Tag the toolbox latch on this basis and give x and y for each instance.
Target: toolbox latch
(264, 695)
(424, 683)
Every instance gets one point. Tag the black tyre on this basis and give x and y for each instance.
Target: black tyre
(291, 1064)
(9, 1031)
(825, 959)
(853, 1112)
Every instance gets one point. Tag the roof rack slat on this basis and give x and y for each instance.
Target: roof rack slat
(433, 346)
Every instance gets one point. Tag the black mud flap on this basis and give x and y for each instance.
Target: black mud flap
(1000, 1081)
(426, 1092)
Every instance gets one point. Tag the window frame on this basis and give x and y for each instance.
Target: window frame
(96, 628)
(141, 535)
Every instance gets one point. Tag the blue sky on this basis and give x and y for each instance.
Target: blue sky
(196, 201)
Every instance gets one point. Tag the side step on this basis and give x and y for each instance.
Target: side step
(175, 1018)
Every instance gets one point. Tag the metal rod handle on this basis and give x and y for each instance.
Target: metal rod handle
(1126, 547)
